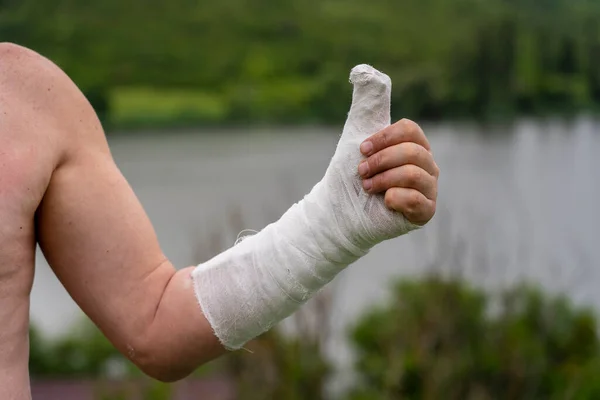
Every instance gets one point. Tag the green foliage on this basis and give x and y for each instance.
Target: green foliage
(288, 61)
(439, 339)
(146, 107)
(278, 367)
(158, 391)
(84, 353)
(135, 389)
(434, 339)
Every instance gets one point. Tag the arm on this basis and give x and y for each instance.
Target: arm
(99, 242)
(101, 245)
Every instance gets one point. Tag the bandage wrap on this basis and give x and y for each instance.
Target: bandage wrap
(247, 289)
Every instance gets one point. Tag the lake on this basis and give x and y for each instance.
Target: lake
(516, 202)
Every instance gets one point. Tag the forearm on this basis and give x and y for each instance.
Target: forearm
(247, 289)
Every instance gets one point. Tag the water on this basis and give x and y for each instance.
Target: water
(515, 202)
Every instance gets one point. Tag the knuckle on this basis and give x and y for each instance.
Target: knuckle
(412, 176)
(434, 193)
(414, 202)
(412, 151)
(436, 170)
(420, 216)
(427, 214)
(420, 152)
(409, 126)
(384, 139)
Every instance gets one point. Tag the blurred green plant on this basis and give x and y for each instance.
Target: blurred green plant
(85, 352)
(280, 366)
(443, 339)
(265, 61)
(275, 365)
(434, 339)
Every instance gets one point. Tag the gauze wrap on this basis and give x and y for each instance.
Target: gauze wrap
(264, 278)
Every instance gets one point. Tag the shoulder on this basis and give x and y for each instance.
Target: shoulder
(13, 52)
(26, 73)
(44, 93)
(22, 70)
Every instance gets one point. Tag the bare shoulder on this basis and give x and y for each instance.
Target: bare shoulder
(35, 88)
(46, 120)
(11, 52)
(26, 74)
(25, 69)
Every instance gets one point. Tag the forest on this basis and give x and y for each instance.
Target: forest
(263, 61)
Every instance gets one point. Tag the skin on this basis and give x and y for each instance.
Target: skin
(60, 187)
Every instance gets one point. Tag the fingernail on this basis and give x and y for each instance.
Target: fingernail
(367, 184)
(363, 168)
(366, 148)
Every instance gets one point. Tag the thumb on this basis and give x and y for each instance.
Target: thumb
(370, 110)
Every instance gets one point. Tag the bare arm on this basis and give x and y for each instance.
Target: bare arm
(101, 245)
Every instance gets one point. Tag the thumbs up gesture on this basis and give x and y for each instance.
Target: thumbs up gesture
(382, 180)
(381, 183)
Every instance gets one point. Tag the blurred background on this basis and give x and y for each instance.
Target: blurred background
(222, 114)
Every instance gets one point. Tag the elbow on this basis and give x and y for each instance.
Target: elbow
(176, 341)
(169, 364)
(160, 361)
(165, 375)
(161, 368)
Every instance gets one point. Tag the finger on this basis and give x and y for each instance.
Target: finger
(397, 155)
(402, 131)
(407, 176)
(415, 207)
(370, 110)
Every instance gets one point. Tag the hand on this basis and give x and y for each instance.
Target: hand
(400, 163)
(339, 201)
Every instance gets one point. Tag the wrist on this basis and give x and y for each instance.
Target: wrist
(317, 224)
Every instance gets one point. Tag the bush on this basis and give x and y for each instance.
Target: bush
(435, 339)
(83, 353)
(277, 367)
(280, 366)
(443, 339)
